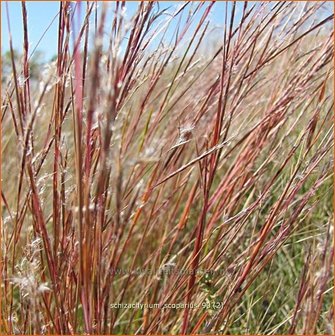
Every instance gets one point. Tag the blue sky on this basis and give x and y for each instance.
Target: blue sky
(41, 14)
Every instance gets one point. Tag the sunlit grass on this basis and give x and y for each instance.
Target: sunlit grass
(210, 170)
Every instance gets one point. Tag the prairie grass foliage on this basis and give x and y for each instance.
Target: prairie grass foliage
(163, 176)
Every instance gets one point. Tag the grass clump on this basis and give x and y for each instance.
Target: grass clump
(153, 167)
